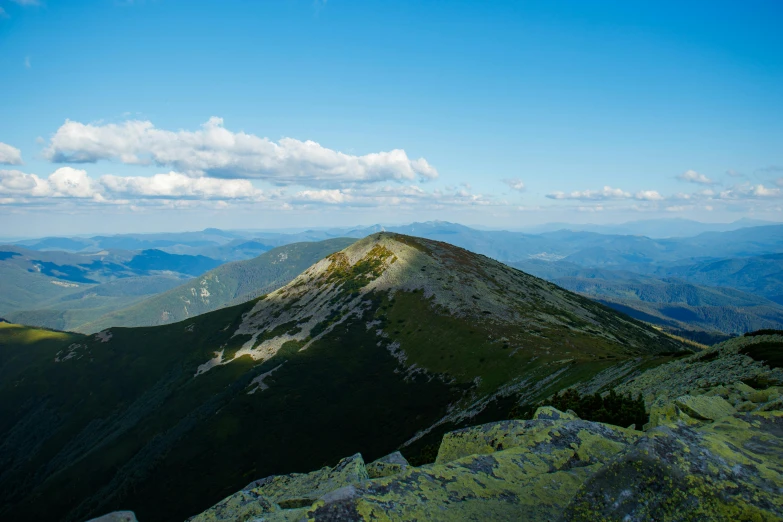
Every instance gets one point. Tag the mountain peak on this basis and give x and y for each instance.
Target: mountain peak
(438, 277)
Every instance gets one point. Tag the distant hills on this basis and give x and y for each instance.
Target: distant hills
(62, 290)
(386, 344)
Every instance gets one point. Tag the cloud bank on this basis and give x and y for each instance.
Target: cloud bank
(605, 194)
(217, 152)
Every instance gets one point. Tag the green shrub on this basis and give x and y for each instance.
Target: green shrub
(620, 410)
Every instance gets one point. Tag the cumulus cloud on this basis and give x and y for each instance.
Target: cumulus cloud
(176, 190)
(67, 182)
(515, 184)
(734, 174)
(691, 176)
(9, 155)
(178, 185)
(215, 151)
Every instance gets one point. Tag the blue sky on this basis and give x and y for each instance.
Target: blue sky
(169, 115)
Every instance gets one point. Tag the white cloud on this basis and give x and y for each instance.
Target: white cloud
(215, 151)
(586, 195)
(411, 196)
(328, 196)
(27, 63)
(749, 191)
(779, 182)
(691, 176)
(175, 184)
(74, 183)
(65, 182)
(9, 155)
(515, 184)
(648, 195)
(17, 182)
(596, 208)
(734, 174)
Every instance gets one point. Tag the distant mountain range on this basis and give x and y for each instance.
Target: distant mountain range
(747, 259)
(386, 344)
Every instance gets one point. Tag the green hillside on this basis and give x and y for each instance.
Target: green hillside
(384, 345)
(231, 283)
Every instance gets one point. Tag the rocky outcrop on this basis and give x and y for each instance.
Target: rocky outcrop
(701, 459)
(716, 367)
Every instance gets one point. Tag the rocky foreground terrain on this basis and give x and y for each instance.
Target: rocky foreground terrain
(713, 450)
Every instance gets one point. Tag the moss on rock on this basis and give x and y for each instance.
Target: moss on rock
(727, 470)
(704, 408)
(389, 465)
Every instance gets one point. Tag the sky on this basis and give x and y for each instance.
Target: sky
(167, 115)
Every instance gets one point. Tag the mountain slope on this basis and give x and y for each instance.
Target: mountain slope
(386, 344)
(228, 284)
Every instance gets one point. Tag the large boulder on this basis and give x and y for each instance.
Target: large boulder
(731, 469)
(284, 492)
(705, 408)
(387, 466)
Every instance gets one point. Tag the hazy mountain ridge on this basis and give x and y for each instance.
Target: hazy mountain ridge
(636, 261)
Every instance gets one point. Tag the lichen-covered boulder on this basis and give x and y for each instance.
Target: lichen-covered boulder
(284, 492)
(241, 506)
(731, 469)
(762, 396)
(532, 480)
(487, 438)
(302, 489)
(391, 464)
(706, 408)
(663, 412)
(550, 413)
